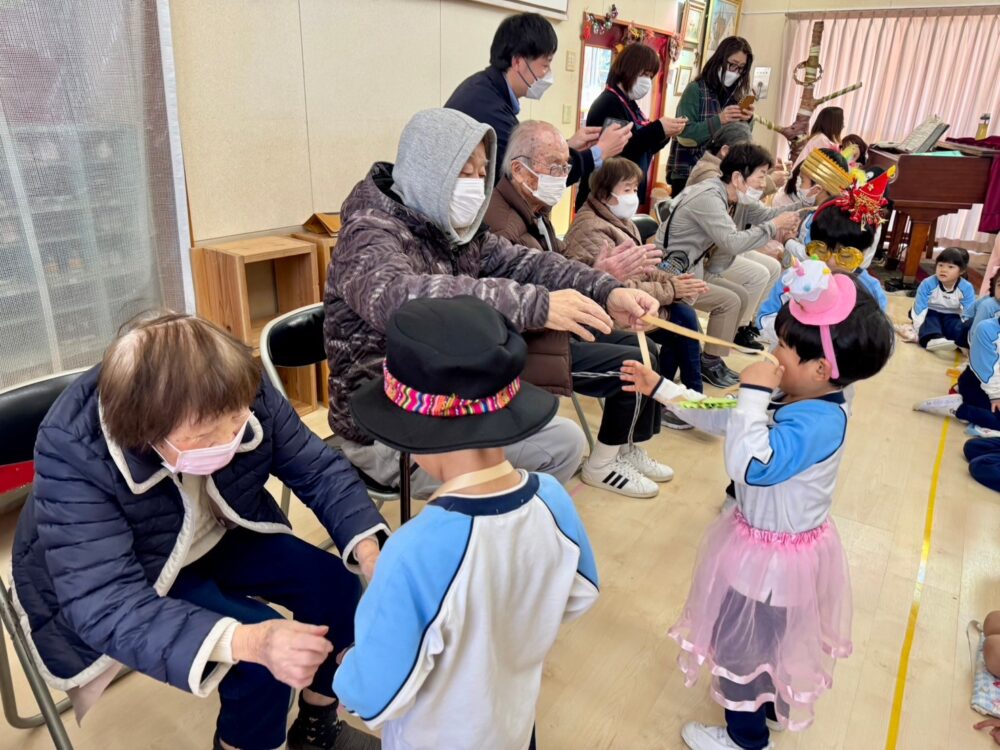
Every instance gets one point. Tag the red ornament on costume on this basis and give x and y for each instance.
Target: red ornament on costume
(864, 203)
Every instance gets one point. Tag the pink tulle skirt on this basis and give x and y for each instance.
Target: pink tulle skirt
(768, 612)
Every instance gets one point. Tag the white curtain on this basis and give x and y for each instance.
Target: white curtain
(914, 64)
(89, 232)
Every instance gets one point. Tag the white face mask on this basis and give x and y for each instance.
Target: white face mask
(642, 86)
(800, 193)
(466, 200)
(540, 86)
(754, 194)
(628, 204)
(204, 461)
(550, 189)
(729, 77)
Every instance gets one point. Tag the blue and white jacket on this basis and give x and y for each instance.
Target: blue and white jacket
(984, 355)
(777, 297)
(465, 604)
(931, 295)
(985, 307)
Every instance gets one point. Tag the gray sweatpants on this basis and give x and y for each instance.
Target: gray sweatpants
(557, 450)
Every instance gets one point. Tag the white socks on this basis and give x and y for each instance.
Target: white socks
(602, 455)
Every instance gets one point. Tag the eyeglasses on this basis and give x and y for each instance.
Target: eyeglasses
(735, 67)
(554, 170)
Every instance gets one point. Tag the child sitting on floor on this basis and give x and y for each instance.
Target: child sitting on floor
(944, 301)
(840, 228)
(467, 597)
(770, 605)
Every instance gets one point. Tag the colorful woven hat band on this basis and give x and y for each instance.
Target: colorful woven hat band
(436, 405)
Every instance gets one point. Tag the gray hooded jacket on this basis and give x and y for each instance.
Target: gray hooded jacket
(396, 243)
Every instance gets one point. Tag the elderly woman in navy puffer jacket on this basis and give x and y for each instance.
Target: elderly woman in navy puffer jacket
(149, 532)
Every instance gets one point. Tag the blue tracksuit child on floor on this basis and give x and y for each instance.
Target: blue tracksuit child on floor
(944, 302)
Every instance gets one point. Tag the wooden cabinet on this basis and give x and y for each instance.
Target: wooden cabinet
(242, 285)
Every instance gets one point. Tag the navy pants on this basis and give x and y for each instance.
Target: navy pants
(286, 571)
(678, 351)
(748, 729)
(938, 325)
(983, 455)
(976, 407)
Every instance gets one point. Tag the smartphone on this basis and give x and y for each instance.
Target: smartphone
(609, 121)
(748, 101)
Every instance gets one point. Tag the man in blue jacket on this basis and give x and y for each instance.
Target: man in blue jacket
(149, 533)
(521, 66)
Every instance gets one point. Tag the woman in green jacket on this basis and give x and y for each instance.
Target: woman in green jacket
(709, 102)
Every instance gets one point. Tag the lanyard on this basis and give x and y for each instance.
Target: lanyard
(464, 481)
(639, 122)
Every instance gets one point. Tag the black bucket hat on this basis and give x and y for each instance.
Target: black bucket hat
(451, 381)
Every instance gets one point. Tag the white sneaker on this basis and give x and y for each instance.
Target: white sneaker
(620, 477)
(704, 737)
(974, 430)
(646, 466)
(941, 345)
(942, 406)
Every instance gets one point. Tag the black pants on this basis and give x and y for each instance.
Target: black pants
(748, 729)
(976, 407)
(983, 455)
(949, 326)
(606, 355)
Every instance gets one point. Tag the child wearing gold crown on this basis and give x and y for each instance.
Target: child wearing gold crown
(841, 234)
(769, 610)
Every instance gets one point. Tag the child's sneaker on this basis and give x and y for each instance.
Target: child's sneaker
(699, 736)
(941, 345)
(974, 430)
(621, 477)
(649, 468)
(942, 406)
(672, 421)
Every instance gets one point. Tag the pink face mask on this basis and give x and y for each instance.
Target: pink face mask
(205, 461)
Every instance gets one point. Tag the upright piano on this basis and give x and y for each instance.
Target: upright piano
(929, 187)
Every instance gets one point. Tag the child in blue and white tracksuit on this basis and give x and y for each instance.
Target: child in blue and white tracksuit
(979, 383)
(835, 228)
(944, 303)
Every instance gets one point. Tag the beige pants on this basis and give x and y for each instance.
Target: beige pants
(734, 296)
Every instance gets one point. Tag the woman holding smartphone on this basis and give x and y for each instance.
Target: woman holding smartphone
(708, 103)
(629, 81)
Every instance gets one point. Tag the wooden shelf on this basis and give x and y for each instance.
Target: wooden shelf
(241, 286)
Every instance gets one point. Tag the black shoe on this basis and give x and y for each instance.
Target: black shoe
(746, 336)
(318, 728)
(672, 421)
(715, 373)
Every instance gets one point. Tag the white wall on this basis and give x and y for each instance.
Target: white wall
(285, 104)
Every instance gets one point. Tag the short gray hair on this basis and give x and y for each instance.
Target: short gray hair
(524, 139)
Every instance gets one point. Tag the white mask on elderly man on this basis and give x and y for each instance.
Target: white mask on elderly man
(466, 200)
(754, 194)
(628, 204)
(641, 87)
(550, 189)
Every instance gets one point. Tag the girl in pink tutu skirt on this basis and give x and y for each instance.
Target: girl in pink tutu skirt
(770, 605)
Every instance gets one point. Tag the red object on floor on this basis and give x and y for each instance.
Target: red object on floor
(15, 476)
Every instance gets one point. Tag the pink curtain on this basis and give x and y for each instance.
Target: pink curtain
(914, 64)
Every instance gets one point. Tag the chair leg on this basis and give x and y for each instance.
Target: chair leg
(583, 421)
(404, 488)
(50, 710)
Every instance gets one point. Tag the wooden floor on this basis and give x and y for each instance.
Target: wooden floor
(611, 681)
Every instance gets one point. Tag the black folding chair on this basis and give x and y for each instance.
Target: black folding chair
(295, 339)
(22, 409)
(646, 225)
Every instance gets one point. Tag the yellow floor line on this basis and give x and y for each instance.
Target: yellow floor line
(918, 589)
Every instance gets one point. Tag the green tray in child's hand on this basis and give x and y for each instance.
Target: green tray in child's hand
(709, 403)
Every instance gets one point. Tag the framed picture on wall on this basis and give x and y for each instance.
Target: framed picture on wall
(683, 79)
(723, 21)
(694, 20)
